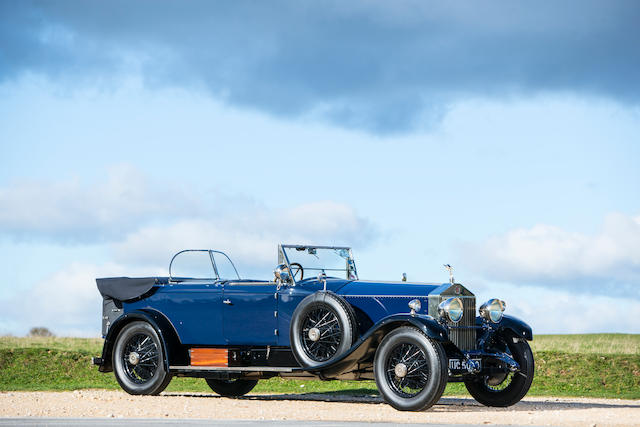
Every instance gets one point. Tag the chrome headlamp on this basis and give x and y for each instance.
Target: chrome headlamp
(451, 309)
(282, 274)
(492, 310)
(415, 306)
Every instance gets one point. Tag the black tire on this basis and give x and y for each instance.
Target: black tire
(332, 318)
(402, 388)
(138, 360)
(231, 388)
(503, 390)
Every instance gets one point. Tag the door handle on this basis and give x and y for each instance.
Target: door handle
(227, 301)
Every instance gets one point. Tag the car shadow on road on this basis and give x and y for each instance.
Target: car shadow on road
(445, 404)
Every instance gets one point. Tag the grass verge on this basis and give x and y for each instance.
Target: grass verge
(64, 364)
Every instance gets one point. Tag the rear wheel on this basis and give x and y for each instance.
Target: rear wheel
(506, 389)
(410, 370)
(231, 388)
(138, 360)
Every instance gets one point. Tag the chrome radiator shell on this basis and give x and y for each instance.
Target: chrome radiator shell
(463, 333)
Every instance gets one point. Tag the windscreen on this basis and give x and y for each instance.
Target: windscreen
(192, 264)
(335, 262)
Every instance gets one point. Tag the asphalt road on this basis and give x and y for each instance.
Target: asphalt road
(136, 422)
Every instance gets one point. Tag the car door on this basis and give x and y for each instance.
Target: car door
(194, 309)
(192, 300)
(249, 312)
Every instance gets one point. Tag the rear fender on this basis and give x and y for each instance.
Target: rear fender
(175, 353)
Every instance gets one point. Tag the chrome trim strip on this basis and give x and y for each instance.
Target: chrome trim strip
(257, 282)
(398, 282)
(385, 296)
(284, 245)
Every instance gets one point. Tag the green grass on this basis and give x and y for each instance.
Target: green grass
(603, 365)
(588, 343)
(91, 345)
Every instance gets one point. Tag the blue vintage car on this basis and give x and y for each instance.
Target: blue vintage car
(314, 319)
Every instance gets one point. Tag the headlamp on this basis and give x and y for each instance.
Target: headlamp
(492, 310)
(415, 306)
(451, 309)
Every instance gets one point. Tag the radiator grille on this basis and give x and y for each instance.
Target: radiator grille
(463, 334)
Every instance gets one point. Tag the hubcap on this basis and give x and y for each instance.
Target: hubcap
(314, 334)
(134, 358)
(401, 370)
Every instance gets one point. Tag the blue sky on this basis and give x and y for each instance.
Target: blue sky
(502, 139)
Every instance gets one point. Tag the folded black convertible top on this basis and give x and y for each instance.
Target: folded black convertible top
(125, 288)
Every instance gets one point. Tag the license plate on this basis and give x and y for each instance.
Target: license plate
(461, 364)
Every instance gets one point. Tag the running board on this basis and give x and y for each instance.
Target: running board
(191, 368)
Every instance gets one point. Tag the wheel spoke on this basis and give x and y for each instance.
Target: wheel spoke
(144, 365)
(328, 342)
(415, 377)
(141, 344)
(323, 317)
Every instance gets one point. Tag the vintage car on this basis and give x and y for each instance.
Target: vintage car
(315, 319)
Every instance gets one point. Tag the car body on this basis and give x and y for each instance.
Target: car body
(314, 319)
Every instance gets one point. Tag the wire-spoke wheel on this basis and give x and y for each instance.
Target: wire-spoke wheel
(138, 360)
(321, 334)
(410, 369)
(407, 370)
(508, 388)
(322, 329)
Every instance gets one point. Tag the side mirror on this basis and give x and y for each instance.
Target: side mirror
(282, 274)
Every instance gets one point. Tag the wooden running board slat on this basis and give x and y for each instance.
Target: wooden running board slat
(215, 357)
(236, 368)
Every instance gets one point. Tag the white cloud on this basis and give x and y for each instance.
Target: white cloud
(68, 302)
(248, 237)
(142, 219)
(560, 311)
(79, 211)
(549, 255)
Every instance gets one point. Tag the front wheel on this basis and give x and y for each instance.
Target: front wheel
(138, 360)
(505, 389)
(410, 370)
(231, 388)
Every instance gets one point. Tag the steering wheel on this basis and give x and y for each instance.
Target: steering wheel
(296, 268)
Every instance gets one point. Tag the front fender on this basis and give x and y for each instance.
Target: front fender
(364, 347)
(519, 327)
(510, 323)
(427, 324)
(172, 348)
